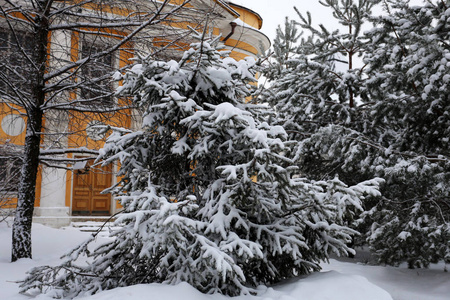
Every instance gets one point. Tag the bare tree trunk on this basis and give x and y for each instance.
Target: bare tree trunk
(21, 231)
(44, 83)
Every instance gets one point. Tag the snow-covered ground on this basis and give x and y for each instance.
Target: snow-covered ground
(337, 281)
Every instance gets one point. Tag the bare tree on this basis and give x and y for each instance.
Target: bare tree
(58, 58)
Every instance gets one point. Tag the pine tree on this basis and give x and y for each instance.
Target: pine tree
(208, 189)
(284, 48)
(321, 83)
(398, 130)
(409, 223)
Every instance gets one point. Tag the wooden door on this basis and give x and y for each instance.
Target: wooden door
(88, 184)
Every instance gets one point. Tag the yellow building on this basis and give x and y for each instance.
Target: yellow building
(65, 195)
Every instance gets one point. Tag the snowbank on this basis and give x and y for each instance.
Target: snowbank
(320, 286)
(338, 281)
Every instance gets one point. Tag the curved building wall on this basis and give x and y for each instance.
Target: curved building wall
(56, 189)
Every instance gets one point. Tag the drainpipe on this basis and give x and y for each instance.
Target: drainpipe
(233, 26)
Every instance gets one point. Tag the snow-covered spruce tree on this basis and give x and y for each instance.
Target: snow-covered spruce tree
(409, 68)
(208, 192)
(320, 82)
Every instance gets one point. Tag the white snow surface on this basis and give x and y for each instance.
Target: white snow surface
(337, 281)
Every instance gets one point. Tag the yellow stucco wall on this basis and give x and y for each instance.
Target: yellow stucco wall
(79, 121)
(12, 132)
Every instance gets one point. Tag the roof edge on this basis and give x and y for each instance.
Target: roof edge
(227, 7)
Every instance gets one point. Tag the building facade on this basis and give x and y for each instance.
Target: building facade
(64, 195)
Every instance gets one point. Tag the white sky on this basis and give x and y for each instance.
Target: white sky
(273, 12)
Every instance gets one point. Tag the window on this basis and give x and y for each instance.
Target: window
(14, 66)
(10, 165)
(97, 86)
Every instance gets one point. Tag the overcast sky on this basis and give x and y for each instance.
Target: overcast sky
(273, 12)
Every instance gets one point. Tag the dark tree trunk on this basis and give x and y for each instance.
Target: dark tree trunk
(21, 232)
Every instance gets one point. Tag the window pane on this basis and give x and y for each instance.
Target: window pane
(9, 172)
(15, 67)
(93, 88)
